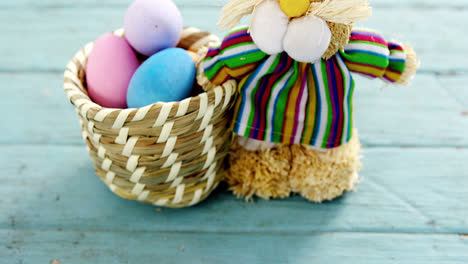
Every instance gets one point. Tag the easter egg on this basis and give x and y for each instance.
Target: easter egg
(153, 25)
(167, 76)
(109, 69)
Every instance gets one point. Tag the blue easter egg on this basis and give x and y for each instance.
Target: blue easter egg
(167, 76)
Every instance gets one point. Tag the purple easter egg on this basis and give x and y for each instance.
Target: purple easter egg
(153, 25)
(109, 69)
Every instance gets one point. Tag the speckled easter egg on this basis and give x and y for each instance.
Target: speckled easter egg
(167, 76)
(109, 69)
(153, 25)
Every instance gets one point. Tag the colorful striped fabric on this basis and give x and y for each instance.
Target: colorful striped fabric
(286, 101)
(237, 56)
(369, 54)
(396, 65)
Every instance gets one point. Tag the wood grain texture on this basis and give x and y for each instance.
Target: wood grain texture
(55, 34)
(200, 248)
(404, 190)
(457, 88)
(411, 208)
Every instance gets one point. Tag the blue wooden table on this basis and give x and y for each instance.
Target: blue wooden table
(411, 208)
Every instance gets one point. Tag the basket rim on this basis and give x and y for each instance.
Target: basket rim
(177, 164)
(78, 96)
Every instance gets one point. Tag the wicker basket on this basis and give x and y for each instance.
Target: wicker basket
(166, 154)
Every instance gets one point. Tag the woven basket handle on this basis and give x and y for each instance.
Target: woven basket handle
(193, 39)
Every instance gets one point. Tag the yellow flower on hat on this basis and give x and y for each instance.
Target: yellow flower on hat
(294, 8)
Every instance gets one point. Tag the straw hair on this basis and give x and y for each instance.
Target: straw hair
(341, 11)
(166, 154)
(337, 11)
(234, 11)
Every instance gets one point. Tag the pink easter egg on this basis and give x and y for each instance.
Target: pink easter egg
(109, 69)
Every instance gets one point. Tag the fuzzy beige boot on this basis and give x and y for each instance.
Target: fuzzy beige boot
(263, 173)
(276, 173)
(324, 175)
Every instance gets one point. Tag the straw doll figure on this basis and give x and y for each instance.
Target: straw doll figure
(293, 121)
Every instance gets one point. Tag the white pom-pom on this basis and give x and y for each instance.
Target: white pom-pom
(254, 145)
(307, 39)
(268, 26)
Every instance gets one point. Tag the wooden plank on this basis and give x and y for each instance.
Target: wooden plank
(411, 207)
(408, 116)
(39, 112)
(183, 3)
(150, 247)
(405, 190)
(456, 87)
(56, 33)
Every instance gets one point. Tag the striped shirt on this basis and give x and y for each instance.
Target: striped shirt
(285, 101)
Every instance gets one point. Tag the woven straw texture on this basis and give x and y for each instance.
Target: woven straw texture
(166, 154)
